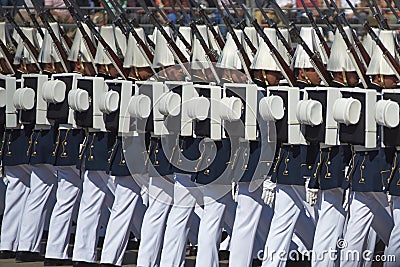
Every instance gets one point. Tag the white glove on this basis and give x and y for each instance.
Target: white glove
(235, 191)
(390, 199)
(268, 193)
(311, 194)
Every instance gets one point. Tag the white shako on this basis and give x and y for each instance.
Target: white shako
(48, 52)
(253, 36)
(186, 33)
(199, 60)
(301, 60)
(113, 37)
(368, 43)
(263, 60)
(378, 64)
(281, 48)
(3, 30)
(22, 52)
(339, 60)
(163, 57)
(229, 58)
(79, 46)
(133, 55)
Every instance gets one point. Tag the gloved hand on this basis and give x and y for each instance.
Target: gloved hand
(390, 199)
(235, 191)
(268, 193)
(311, 194)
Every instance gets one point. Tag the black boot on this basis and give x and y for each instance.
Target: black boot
(84, 264)
(57, 262)
(27, 256)
(7, 254)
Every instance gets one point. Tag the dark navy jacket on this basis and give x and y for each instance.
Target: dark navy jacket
(16, 148)
(394, 182)
(66, 149)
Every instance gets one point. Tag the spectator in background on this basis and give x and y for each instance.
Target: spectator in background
(59, 11)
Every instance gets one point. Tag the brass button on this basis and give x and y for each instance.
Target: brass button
(64, 154)
(180, 161)
(9, 153)
(366, 153)
(91, 146)
(310, 167)
(57, 143)
(268, 164)
(287, 160)
(245, 154)
(123, 161)
(124, 150)
(362, 167)
(34, 153)
(329, 163)
(36, 142)
(207, 171)
(245, 166)
(195, 168)
(315, 175)
(285, 172)
(54, 153)
(208, 160)
(181, 150)
(156, 151)
(91, 157)
(109, 160)
(329, 174)
(330, 149)
(156, 162)
(65, 143)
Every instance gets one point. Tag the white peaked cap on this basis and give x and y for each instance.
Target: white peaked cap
(301, 59)
(281, 48)
(3, 35)
(186, 33)
(199, 60)
(21, 51)
(253, 36)
(110, 36)
(48, 52)
(212, 41)
(163, 57)
(133, 55)
(378, 64)
(229, 58)
(263, 60)
(370, 44)
(79, 46)
(339, 59)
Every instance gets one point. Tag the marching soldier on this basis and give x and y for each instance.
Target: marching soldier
(369, 172)
(97, 191)
(128, 167)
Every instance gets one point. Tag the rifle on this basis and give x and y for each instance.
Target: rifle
(16, 10)
(61, 52)
(209, 24)
(393, 11)
(244, 58)
(366, 58)
(107, 49)
(117, 22)
(351, 51)
(324, 17)
(376, 13)
(132, 23)
(8, 58)
(283, 66)
(211, 56)
(91, 48)
(271, 23)
(246, 38)
(324, 46)
(34, 20)
(179, 56)
(315, 58)
(27, 43)
(173, 27)
(386, 54)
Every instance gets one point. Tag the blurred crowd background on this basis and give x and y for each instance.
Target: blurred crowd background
(293, 8)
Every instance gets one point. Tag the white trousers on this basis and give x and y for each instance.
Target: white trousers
(96, 195)
(127, 195)
(18, 187)
(68, 197)
(290, 215)
(248, 213)
(38, 207)
(329, 228)
(154, 220)
(393, 249)
(3, 188)
(179, 222)
(367, 209)
(219, 212)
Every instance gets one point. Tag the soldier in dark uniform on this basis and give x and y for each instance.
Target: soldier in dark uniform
(369, 172)
(290, 172)
(97, 189)
(327, 170)
(127, 164)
